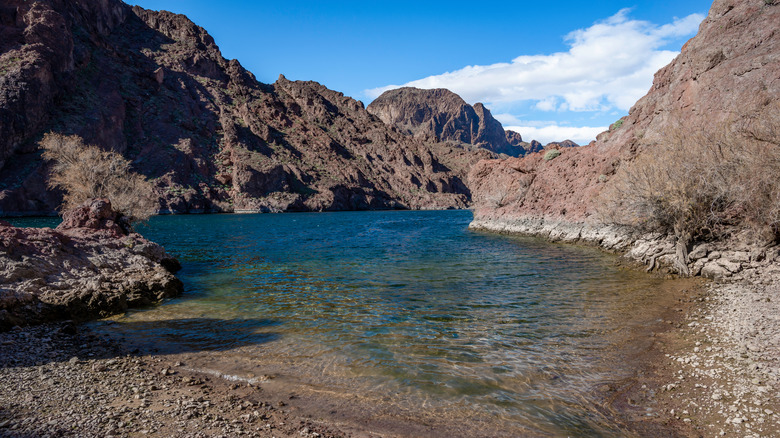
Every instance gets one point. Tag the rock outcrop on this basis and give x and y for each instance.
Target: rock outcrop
(561, 144)
(729, 70)
(155, 87)
(89, 266)
(441, 115)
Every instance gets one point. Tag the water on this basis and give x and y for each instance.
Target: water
(409, 311)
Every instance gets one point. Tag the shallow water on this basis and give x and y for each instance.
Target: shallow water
(408, 310)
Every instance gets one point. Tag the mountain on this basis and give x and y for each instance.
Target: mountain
(441, 115)
(728, 72)
(561, 144)
(155, 87)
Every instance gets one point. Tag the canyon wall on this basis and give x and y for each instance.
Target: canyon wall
(728, 72)
(155, 87)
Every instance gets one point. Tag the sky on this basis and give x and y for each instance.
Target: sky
(548, 70)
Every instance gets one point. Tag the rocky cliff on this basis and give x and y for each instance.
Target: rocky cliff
(441, 115)
(90, 266)
(729, 71)
(155, 87)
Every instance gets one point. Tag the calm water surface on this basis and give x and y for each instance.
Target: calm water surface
(408, 309)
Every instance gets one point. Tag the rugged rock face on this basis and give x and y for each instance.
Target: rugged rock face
(561, 144)
(155, 87)
(441, 115)
(90, 266)
(731, 69)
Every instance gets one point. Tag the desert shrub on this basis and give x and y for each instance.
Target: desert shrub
(85, 171)
(551, 154)
(701, 184)
(616, 125)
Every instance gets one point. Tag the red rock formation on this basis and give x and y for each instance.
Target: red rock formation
(95, 216)
(90, 266)
(731, 69)
(561, 144)
(155, 87)
(441, 115)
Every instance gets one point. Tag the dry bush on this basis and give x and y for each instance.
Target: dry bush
(762, 192)
(699, 185)
(85, 171)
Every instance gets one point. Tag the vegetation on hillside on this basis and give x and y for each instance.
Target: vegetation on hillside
(701, 185)
(86, 171)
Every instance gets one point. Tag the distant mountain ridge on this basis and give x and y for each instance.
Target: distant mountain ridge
(441, 115)
(155, 87)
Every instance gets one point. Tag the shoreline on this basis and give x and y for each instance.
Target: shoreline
(72, 380)
(717, 372)
(694, 376)
(74, 383)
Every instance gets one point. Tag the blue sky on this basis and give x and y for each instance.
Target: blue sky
(549, 70)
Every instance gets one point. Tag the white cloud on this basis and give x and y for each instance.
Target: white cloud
(545, 131)
(608, 65)
(547, 104)
(581, 135)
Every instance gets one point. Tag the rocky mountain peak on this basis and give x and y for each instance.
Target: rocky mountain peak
(441, 115)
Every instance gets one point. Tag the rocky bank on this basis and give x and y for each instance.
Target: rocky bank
(155, 87)
(729, 70)
(90, 266)
(718, 374)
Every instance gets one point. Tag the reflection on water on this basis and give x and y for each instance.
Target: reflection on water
(409, 304)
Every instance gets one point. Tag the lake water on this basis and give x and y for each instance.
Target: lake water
(404, 314)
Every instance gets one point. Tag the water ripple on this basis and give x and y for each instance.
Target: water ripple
(404, 303)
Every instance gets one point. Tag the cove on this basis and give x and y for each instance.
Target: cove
(403, 316)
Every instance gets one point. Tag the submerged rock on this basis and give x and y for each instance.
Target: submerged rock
(90, 266)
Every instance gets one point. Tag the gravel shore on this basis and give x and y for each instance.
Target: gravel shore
(61, 380)
(725, 377)
(717, 372)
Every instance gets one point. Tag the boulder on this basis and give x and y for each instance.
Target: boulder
(90, 266)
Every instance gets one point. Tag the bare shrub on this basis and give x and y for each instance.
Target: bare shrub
(699, 185)
(762, 206)
(85, 171)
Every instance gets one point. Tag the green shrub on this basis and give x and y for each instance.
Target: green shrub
(616, 125)
(551, 154)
